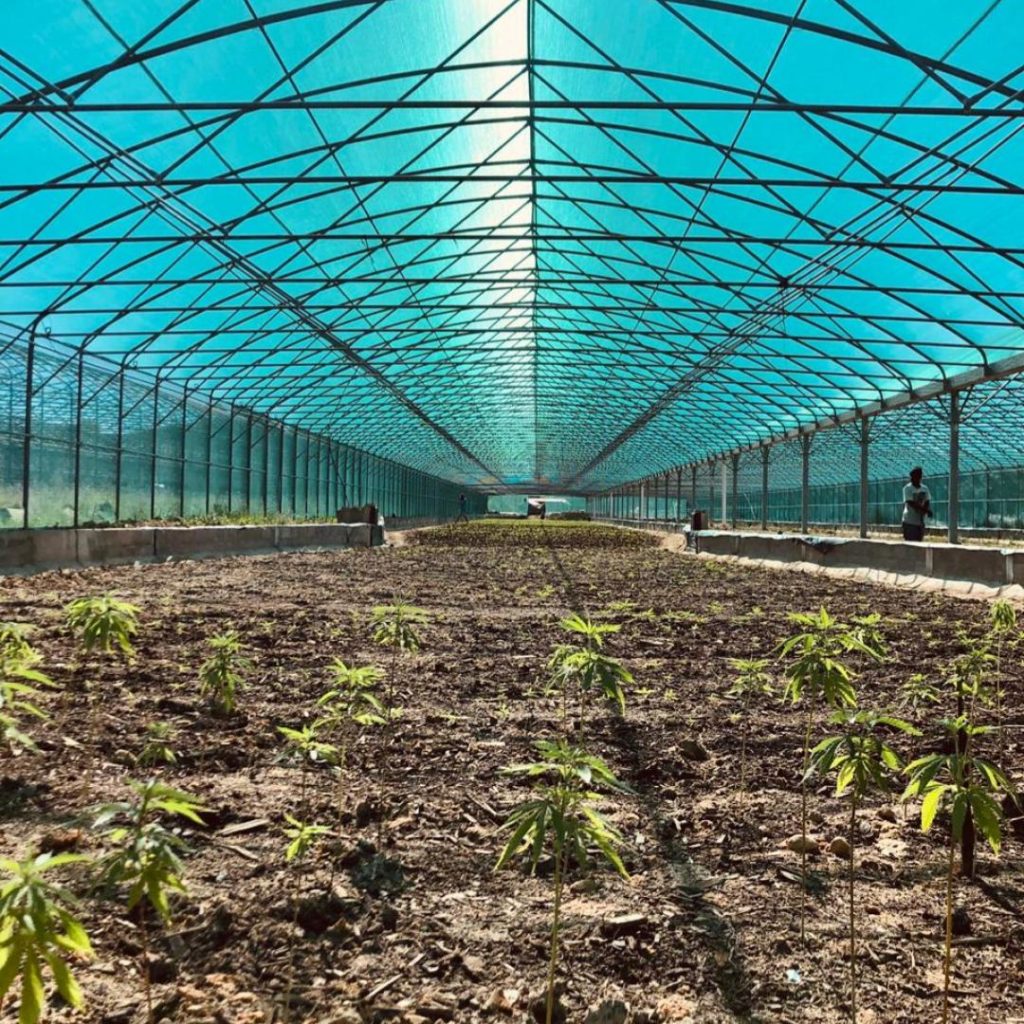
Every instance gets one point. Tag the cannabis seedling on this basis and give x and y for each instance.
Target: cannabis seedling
(146, 855)
(969, 679)
(819, 671)
(396, 627)
(157, 747)
(37, 931)
(349, 705)
(587, 667)
(19, 690)
(1002, 627)
(862, 761)
(103, 624)
(302, 838)
(221, 675)
(969, 785)
(563, 816)
(753, 681)
(306, 745)
(14, 642)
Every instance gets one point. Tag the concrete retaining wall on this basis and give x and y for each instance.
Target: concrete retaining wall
(28, 551)
(991, 566)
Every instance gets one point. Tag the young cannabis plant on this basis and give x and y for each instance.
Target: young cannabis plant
(918, 691)
(969, 786)
(37, 932)
(562, 816)
(302, 839)
(1002, 629)
(146, 855)
(820, 671)
(14, 642)
(20, 684)
(306, 746)
(753, 681)
(587, 668)
(396, 627)
(221, 675)
(157, 747)
(591, 634)
(969, 680)
(103, 624)
(348, 706)
(862, 761)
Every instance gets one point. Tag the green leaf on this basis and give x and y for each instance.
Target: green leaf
(33, 997)
(930, 805)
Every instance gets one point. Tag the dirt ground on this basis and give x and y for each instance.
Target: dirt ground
(437, 934)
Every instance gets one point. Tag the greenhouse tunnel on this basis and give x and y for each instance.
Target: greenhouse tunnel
(277, 258)
(462, 550)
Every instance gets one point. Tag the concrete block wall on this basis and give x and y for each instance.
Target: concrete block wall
(27, 551)
(991, 566)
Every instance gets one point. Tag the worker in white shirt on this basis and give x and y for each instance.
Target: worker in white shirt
(917, 504)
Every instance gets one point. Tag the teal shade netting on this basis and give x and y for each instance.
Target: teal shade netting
(549, 244)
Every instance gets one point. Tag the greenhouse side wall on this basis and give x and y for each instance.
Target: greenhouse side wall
(85, 442)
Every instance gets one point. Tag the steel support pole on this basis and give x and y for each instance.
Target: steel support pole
(954, 467)
(679, 496)
(181, 467)
(76, 518)
(865, 440)
(765, 457)
(119, 446)
(805, 481)
(693, 486)
(723, 487)
(26, 450)
(152, 454)
(735, 489)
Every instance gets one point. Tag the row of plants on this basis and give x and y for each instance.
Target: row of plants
(562, 819)
(142, 864)
(823, 658)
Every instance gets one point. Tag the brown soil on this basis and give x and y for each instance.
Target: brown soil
(440, 935)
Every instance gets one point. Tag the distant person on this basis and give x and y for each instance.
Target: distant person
(917, 504)
(462, 517)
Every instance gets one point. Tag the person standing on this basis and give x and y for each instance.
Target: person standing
(917, 503)
(462, 517)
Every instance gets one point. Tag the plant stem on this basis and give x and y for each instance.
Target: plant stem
(555, 922)
(853, 921)
(146, 981)
(948, 955)
(803, 833)
(743, 760)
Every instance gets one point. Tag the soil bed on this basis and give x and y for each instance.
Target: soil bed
(428, 931)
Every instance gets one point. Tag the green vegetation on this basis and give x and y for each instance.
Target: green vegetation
(862, 761)
(819, 672)
(38, 931)
(146, 855)
(105, 624)
(752, 683)
(562, 816)
(221, 676)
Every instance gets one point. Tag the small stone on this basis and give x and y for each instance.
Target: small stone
(676, 1009)
(586, 886)
(503, 1000)
(623, 924)
(364, 813)
(60, 840)
(888, 814)
(962, 924)
(694, 750)
(802, 844)
(539, 1004)
(160, 968)
(610, 1011)
(839, 847)
(473, 966)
